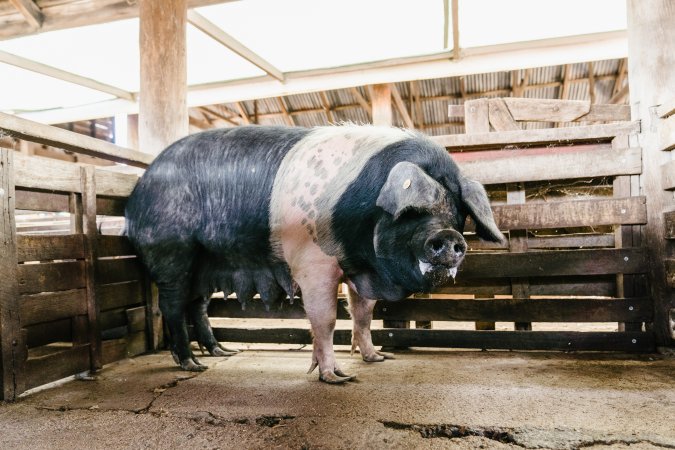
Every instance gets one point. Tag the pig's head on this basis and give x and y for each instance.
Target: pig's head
(418, 239)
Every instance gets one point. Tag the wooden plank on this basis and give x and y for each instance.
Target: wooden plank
(503, 310)
(481, 287)
(515, 166)
(35, 172)
(666, 109)
(512, 340)
(78, 143)
(42, 248)
(500, 117)
(587, 133)
(118, 270)
(114, 350)
(114, 318)
(57, 365)
(136, 344)
(381, 104)
(400, 107)
(30, 11)
(88, 189)
(118, 295)
(136, 319)
(669, 224)
(574, 213)
(520, 287)
(48, 277)
(668, 175)
(606, 113)
(554, 263)
(670, 272)
(52, 306)
(48, 332)
(476, 116)
(41, 201)
(666, 138)
(114, 246)
(10, 337)
(110, 206)
(571, 241)
(599, 286)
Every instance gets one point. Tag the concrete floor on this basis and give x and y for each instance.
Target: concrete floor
(422, 399)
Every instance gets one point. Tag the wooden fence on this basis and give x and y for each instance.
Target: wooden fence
(568, 199)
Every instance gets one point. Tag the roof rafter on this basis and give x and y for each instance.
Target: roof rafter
(400, 107)
(362, 101)
(33, 66)
(216, 33)
(30, 11)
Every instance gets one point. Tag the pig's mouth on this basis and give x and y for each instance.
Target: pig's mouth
(437, 274)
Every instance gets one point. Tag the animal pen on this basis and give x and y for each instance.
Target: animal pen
(568, 197)
(588, 210)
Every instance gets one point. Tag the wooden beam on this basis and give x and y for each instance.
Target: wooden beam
(287, 117)
(30, 11)
(446, 23)
(620, 95)
(400, 107)
(362, 102)
(43, 69)
(620, 76)
(416, 104)
(163, 112)
(381, 98)
(591, 81)
(500, 116)
(212, 112)
(476, 117)
(456, 54)
(242, 113)
(216, 33)
(326, 107)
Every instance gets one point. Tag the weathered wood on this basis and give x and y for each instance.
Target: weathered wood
(606, 113)
(669, 224)
(500, 116)
(520, 287)
(136, 319)
(651, 57)
(114, 350)
(554, 263)
(670, 272)
(666, 138)
(48, 332)
(35, 172)
(381, 101)
(668, 175)
(515, 166)
(110, 206)
(545, 110)
(587, 133)
(48, 277)
(600, 286)
(667, 108)
(52, 306)
(572, 241)
(41, 201)
(30, 11)
(136, 344)
(117, 295)
(78, 143)
(88, 189)
(481, 287)
(57, 365)
(114, 318)
(575, 213)
(163, 115)
(114, 246)
(476, 116)
(506, 310)
(118, 270)
(513, 340)
(12, 378)
(43, 248)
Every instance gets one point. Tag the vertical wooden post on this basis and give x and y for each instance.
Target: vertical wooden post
(520, 287)
(651, 58)
(381, 101)
(80, 323)
(10, 325)
(88, 183)
(163, 116)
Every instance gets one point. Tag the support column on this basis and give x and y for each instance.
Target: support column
(651, 59)
(163, 116)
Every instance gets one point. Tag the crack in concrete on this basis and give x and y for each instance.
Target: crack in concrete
(530, 437)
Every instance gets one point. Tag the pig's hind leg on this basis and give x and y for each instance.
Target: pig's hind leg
(173, 303)
(361, 310)
(200, 320)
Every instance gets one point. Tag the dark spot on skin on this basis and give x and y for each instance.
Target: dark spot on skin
(304, 221)
(311, 161)
(319, 150)
(311, 214)
(315, 240)
(310, 229)
(337, 161)
(313, 189)
(323, 174)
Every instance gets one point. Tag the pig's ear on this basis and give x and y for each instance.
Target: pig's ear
(476, 200)
(409, 187)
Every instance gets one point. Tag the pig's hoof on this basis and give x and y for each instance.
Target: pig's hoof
(377, 356)
(222, 351)
(192, 365)
(337, 377)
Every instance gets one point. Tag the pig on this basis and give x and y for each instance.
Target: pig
(271, 209)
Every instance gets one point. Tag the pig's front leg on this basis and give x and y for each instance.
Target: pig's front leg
(318, 283)
(361, 310)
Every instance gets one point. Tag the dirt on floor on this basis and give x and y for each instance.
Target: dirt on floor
(423, 399)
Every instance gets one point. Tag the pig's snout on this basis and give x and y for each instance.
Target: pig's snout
(446, 247)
